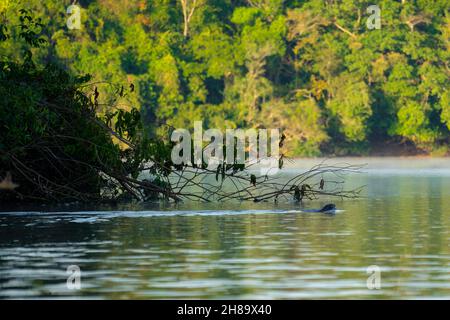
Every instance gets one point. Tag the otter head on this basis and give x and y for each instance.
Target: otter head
(328, 207)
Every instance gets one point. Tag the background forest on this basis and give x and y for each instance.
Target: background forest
(312, 68)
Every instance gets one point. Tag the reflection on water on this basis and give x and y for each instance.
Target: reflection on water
(246, 250)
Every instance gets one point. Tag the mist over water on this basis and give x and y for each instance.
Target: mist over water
(243, 250)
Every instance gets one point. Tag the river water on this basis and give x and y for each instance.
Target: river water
(393, 242)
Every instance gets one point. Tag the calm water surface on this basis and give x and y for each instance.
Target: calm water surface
(253, 251)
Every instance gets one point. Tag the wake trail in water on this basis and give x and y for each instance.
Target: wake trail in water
(92, 216)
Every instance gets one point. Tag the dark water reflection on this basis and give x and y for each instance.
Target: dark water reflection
(402, 227)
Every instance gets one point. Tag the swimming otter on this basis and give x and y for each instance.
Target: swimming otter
(329, 208)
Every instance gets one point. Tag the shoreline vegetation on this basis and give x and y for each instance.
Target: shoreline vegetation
(331, 89)
(56, 147)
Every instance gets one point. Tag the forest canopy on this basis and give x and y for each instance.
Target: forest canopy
(311, 68)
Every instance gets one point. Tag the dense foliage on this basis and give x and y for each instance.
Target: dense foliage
(310, 67)
(54, 143)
